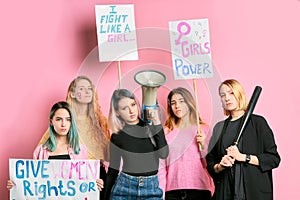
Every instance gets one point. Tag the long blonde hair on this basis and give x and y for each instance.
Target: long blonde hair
(94, 110)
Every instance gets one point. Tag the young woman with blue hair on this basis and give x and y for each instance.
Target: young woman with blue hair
(63, 142)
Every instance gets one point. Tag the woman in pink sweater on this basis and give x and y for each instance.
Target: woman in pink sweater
(183, 174)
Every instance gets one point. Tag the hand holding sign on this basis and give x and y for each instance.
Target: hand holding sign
(191, 55)
(50, 179)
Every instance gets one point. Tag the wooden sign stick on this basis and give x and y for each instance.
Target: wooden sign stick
(197, 113)
(119, 74)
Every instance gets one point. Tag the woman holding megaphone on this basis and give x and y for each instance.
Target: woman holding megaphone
(138, 145)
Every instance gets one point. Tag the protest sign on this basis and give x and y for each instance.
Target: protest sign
(54, 179)
(191, 51)
(116, 32)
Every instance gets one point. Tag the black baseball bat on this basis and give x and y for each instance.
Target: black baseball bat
(248, 112)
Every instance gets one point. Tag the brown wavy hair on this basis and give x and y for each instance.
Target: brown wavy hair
(172, 120)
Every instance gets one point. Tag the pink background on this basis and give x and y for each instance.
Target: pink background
(45, 44)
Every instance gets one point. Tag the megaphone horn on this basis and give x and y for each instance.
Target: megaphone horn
(150, 80)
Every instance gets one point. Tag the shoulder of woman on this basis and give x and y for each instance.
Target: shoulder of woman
(83, 147)
(220, 123)
(38, 148)
(115, 136)
(39, 152)
(259, 121)
(84, 151)
(167, 130)
(258, 117)
(205, 127)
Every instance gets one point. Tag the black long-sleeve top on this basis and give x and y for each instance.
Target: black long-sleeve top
(140, 147)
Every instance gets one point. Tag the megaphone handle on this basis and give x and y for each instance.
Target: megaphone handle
(145, 112)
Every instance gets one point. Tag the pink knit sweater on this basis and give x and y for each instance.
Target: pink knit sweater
(185, 167)
(43, 153)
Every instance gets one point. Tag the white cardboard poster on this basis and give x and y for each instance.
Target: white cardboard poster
(116, 32)
(191, 51)
(54, 179)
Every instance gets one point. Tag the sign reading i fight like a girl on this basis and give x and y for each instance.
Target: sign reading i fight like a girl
(116, 32)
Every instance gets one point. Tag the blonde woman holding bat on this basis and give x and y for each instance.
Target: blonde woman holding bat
(241, 171)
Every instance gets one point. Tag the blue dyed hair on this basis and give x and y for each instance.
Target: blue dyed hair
(73, 139)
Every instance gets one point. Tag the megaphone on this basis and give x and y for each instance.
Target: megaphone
(150, 80)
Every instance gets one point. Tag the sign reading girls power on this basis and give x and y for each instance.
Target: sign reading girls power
(54, 179)
(116, 32)
(191, 52)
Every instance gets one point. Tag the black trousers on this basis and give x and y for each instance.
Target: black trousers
(103, 177)
(188, 194)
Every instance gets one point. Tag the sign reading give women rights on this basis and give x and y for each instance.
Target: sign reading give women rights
(191, 52)
(54, 179)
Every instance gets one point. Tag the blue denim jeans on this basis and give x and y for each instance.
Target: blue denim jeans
(136, 188)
